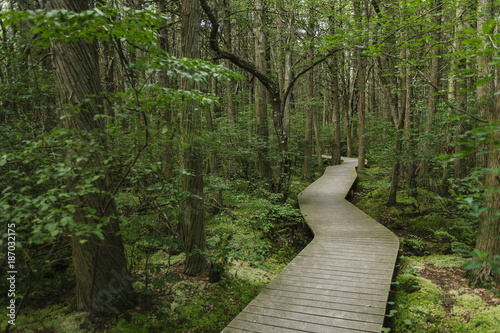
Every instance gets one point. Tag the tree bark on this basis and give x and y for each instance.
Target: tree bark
(361, 110)
(102, 280)
(191, 151)
(361, 92)
(488, 236)
(307, 173)
(229, 45)
(263, 162)
(336, 144)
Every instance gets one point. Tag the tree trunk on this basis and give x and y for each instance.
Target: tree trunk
(334, 77)
(309, 107)
(102, 280)
(336, 144)
(361, 109)
(460, 95)
(213, 156)
(318, 145)
(488, 237)
(263, 162)
(484, 96)
(191, 151)
(229, 45)
(361, 92)
(287, 82)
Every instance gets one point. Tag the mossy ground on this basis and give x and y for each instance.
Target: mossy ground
(430, 291)
(253, 238)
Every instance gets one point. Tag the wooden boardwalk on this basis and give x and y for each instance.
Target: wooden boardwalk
(340, 281)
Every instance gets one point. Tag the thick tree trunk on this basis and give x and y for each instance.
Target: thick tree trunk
(191, 152)
(102, 280)
(488, 237)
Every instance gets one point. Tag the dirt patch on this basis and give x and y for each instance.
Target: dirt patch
(451, 279)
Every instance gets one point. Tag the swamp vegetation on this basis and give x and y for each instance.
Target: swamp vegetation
(151, 154)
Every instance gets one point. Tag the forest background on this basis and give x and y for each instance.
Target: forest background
(174, 129)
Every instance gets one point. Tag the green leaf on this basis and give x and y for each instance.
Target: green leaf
(488, 26)
(481, 82)
(407, 322)
(473, 264)
(99, 234)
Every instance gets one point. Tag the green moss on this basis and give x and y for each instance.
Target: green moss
(420, 305)
(447, 261)
(472, 314)
(467, 305)
(57, 318)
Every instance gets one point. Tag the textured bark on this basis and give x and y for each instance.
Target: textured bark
(361, 109)
(483, 91)
(229, 46)
(191, 153)
(361, 94)
(460, 95)
(102, 281)
(213, 155)
(336, 153)
(488, 238)
(434, 73)
(263, 163)
(307, 173)
(319, 160)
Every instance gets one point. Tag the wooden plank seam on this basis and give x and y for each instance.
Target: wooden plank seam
(339, 282)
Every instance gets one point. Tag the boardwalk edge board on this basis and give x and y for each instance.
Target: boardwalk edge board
(340, 281)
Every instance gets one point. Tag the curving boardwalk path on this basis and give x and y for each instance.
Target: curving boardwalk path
(339, 282)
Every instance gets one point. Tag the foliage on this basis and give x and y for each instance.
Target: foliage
(418, 304)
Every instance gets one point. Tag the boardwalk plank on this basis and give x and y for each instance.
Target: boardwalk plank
(371, 306)
(339, 282)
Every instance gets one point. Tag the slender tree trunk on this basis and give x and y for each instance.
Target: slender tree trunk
(336, 144)
(213, 156)
(309, 107)
(287, 81)
(433, 88)
(263, 162)
(191, 152)
(102, 280)
(361, 108)
(335, 104)
(318, 144)
(347, 117)
(229, 45)
(484, 96)
(460, 94)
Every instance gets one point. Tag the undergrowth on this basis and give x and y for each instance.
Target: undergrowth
(430, 291)
(250, 238)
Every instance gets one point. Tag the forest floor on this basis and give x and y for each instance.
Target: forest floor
(432, 292)
(254, 237)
